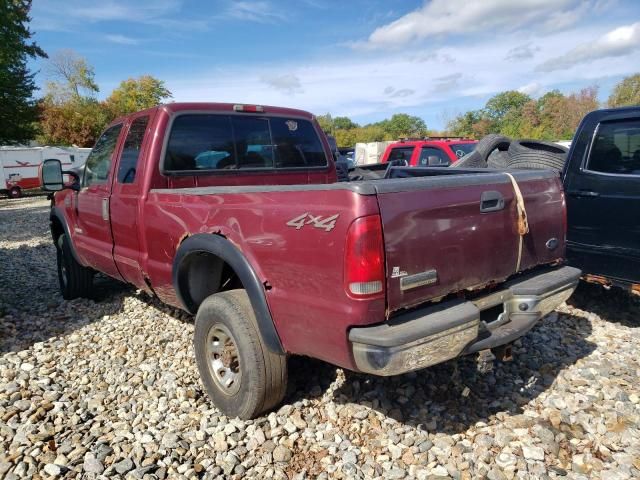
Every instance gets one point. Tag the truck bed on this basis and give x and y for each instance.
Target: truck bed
(437, 240)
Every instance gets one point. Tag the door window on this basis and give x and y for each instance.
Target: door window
(432, 157)
(99, 160)
(616, 148)
(403, 153)
(131, 150)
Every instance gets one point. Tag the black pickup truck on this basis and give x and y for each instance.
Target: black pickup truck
(602, 185)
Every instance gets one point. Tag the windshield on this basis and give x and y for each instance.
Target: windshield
(461, 149)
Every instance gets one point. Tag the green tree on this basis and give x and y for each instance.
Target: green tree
(627, 92)
(18, 110)
(344, 123)
(326, 123)
(404, 125)
(133, 95)
(499, 105)
(463, 124)
(77, 121)
(71, 77)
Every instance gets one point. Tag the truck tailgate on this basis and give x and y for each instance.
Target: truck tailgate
(448, 233)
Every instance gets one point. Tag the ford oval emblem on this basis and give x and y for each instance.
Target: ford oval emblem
(552, 243)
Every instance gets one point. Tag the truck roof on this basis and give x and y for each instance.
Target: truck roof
(231, 107)
(440, 141)
(176, 107)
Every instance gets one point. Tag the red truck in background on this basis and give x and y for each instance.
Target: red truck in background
(233, 213)
(428, 152)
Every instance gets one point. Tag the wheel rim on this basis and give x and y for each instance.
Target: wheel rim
(224, 359)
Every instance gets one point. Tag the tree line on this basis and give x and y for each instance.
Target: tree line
(552, 116)
(70, 113)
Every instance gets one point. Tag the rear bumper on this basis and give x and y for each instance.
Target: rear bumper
(437, 333)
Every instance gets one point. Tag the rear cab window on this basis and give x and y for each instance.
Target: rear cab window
(433, 157)
(462, 149)
(401, 153)
(201, 143)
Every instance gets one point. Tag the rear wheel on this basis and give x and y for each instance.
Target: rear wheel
(75, 280)
(240, 374)
(15, 192)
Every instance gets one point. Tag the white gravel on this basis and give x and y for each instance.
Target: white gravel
(109, 388)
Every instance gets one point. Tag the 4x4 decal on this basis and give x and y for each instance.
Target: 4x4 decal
(327, 223)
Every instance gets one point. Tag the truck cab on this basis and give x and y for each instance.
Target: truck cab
(602, 184)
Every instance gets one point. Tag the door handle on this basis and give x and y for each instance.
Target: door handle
(105, 209)
(491, 201)
(585, 193)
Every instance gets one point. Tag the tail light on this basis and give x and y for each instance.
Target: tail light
(364, 258)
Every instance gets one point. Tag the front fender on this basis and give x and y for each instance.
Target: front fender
(57, 215)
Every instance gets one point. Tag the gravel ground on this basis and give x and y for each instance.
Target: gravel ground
(109, 388)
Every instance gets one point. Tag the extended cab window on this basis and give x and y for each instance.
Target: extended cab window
(432, 157)
(212, 142)
(403, 153)
(616, 148)
(99, 160)
(131, 151)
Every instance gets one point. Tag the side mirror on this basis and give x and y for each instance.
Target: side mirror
(51, 175)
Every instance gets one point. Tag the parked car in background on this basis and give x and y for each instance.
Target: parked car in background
(276, 257)
(430, 152)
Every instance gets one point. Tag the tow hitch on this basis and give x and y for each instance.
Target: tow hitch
(486, 357)
(503, 353)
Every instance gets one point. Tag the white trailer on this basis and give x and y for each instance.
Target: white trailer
(19, 165)
(367, 153)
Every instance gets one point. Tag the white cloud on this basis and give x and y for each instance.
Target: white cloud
(522, 52)
(461, 17)
(447, 82)
(367, 87)
(619, 42)
(391, 92)
(287, 83)
(122, 10)
(122, 39)
(259, 11)
(532, 89)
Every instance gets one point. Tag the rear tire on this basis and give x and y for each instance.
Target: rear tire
(75, 280)
(498, 159)
(240, 374)
(15, 192)
(470, 160)
(491, 142)
(537, 155)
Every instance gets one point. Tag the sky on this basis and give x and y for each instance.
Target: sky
(365, 59)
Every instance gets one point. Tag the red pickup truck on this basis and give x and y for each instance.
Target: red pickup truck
(433, 152)
(233, 213)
